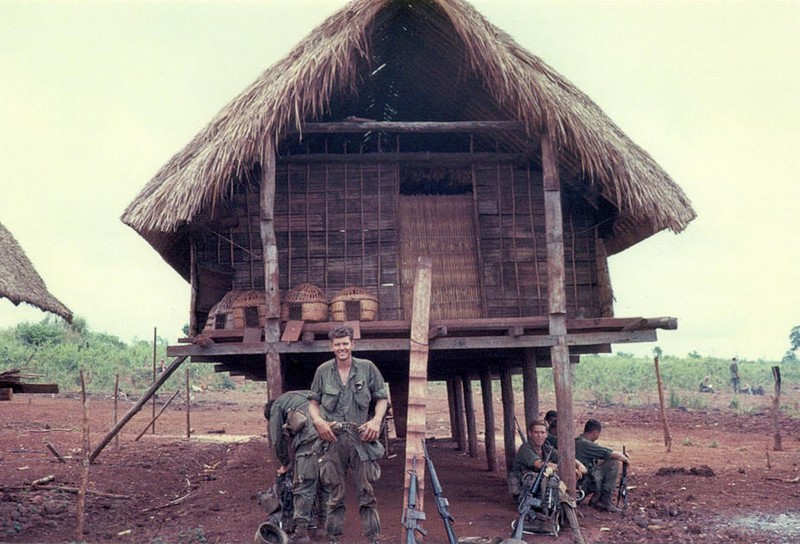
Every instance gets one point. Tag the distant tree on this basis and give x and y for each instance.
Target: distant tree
(794, 338)
(658, 352)
(185, 329)
(694, 355)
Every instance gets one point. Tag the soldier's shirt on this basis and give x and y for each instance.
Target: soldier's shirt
(350, 401)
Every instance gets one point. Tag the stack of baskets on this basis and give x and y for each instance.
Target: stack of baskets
(238, 310)
(354, 303)
(305, 302)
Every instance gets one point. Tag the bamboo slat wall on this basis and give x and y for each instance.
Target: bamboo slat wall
(337, 225)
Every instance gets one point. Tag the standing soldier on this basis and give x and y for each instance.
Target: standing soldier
(735, 375)
(295, 444)
(342, 391)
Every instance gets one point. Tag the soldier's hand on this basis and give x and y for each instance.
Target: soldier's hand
(324, 430)
(369, 431)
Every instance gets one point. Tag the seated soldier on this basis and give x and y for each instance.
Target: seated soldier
(705, 385)
(552, 434)
(530, 458)
(603, 466)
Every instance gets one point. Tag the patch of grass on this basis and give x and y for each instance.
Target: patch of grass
(687, 442)
(714, 444)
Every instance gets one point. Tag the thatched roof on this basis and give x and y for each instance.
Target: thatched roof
(494, 78)
(19, 282)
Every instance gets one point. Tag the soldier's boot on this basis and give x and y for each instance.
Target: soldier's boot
(300, 535)
(604, 504)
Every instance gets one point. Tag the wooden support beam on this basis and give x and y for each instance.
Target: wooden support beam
(451, 408)
(410, 126)
(173, 366)
(269, 247)
(421, 157)
(509, 429)
(469, 412)
(557, 305)
(418, 379)
(488, 418)
(530, 387)
(461, 430)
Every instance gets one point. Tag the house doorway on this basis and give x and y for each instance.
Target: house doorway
(442, 228)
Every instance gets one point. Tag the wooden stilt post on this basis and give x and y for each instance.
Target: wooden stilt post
(418, 380)
(776, 410)
(451, 406)
(188, 407)
(269, 244)
(509, 429)
(488, 418)
(663, 408)
(155, 340)
(469, 412)
(461, 431)
(559, 354)
(530, 387)
(114, 412)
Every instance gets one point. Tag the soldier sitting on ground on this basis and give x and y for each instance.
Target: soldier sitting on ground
(602, 464)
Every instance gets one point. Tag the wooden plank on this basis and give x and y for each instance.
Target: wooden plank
(368, 125)
(418, 378)
(35, 387)
(292, 331)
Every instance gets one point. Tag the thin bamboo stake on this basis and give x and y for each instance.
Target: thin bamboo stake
(81, 505)
(154, 378)
(155, 417)
(188, 406)
(55, 452)
(114, 413)
(776, 410)
(664, 423)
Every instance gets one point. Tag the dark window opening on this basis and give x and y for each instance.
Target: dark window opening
(435, 181)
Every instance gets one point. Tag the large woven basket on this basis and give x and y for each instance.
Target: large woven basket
(249, 310)
(354, 303)
(305, 302)
(221, 315)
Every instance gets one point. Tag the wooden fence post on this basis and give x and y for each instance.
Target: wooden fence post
(776, 410)
(664, 423)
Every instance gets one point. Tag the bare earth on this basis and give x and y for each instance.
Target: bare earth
(166, 488)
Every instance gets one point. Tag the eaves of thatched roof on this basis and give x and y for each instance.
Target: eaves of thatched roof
(19, 281)
(331, 62)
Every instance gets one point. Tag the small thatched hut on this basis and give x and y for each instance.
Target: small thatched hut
(19, 281)
(399, 129)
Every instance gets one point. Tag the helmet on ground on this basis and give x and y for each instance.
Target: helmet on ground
(269, 533)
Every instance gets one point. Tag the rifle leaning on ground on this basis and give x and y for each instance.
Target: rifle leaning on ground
(412, 515)
(441, 502)
(530, 498)
(622, 489)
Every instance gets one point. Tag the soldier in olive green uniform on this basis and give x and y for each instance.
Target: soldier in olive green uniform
(342, 391)
(603, 466)
(289, 428)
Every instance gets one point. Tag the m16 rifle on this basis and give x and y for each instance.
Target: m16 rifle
(441, 502)
(519, 431)
(622, 489)
(531, 498)
(411, 515)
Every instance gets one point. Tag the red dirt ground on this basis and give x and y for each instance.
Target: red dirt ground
(166, 489)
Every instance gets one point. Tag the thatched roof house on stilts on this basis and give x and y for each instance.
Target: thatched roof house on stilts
(397, 130)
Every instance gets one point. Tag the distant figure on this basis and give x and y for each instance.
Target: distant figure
(746, 389)
(705, 385)
(735, 381)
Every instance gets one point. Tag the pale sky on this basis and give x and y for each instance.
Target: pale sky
(96, 96)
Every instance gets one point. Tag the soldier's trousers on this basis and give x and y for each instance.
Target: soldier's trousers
(304, 485)
(341, 457)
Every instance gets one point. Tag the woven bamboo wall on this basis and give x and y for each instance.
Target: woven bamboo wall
(510, 215)
(337, 226)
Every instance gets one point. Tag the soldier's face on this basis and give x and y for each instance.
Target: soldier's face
(538, 435)
(342, 348)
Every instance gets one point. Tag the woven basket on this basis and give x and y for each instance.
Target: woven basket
(221, 315)
(306, 302)
(354, 303)
(249, 310)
